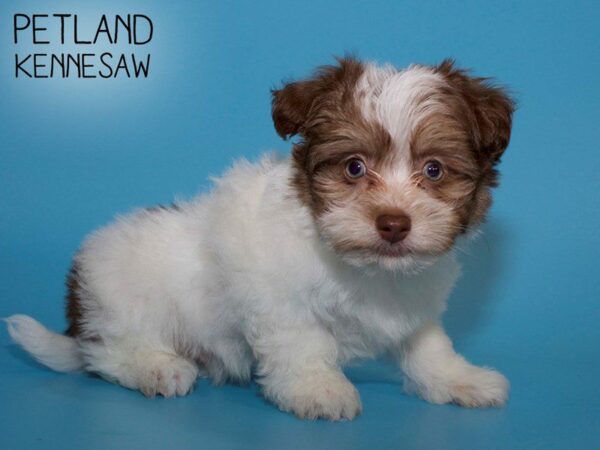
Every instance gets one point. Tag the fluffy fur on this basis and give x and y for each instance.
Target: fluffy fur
(281, 273)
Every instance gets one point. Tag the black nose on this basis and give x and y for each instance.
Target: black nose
(393, 228)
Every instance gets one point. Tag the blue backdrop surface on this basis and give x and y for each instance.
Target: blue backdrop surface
(75, 152)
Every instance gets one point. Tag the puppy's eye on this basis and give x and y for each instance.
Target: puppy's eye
(356, 168)
(433, 170)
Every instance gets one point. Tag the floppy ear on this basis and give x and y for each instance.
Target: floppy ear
(291, 105)
(294, 104)
(491, 107)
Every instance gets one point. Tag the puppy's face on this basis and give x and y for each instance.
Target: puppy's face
(394, 165)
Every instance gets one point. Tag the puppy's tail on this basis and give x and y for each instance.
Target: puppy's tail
(56, 351)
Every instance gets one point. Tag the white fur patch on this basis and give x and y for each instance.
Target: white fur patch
(56, 351)
(398, 100)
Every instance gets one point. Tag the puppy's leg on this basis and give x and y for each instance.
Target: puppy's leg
(435, 372)
(299, 373)
(141, 367)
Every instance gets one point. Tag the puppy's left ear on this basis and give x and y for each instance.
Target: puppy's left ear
(491, 109)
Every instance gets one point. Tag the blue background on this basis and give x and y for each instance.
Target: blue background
(75, 152)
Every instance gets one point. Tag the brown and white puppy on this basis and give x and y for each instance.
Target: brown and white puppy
(290, 268)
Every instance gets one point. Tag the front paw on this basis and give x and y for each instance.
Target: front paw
(475, 387)
(319, 396)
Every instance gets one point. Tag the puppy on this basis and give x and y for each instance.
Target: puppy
(292, 267)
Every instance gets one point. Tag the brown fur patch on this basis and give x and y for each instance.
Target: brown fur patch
(491, 110)
(159, 208)
(486, 113)
(297, 102)
(73, 305)
(443, 138)
(324, 111)
(468, 140)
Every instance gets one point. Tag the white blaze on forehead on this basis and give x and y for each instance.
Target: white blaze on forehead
(399, 100)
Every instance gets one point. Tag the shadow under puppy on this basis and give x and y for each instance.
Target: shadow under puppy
(291, 267)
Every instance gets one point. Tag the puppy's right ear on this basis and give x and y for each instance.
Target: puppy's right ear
(294, 104)
(291, 105)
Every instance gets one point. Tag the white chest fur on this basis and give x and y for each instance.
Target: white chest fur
(277, 266)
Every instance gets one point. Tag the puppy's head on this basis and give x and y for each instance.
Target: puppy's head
(394, 164)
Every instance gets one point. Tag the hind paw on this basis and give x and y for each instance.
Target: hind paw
(167, 375)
